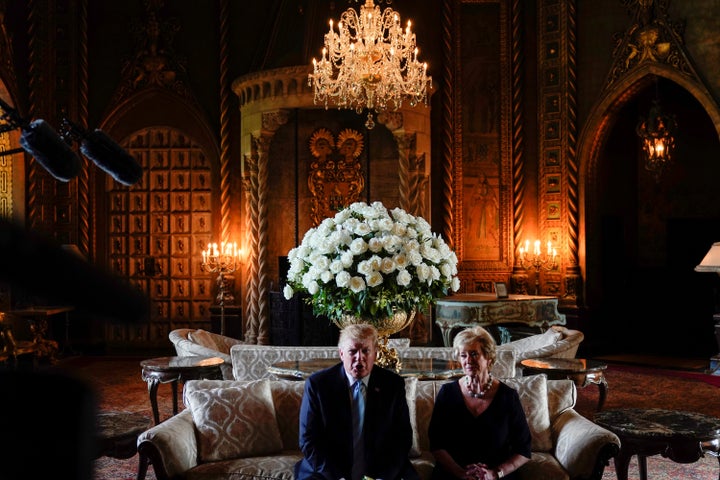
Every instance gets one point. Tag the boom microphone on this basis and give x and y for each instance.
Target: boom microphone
(41, 141)
(111, 157)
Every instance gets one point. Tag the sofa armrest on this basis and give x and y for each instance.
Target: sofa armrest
(566, 347)
(171, 447)
(582, 447)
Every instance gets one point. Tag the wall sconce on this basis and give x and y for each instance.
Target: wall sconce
(53, 150)
(657, 132)
(223, 261)
(537, 260)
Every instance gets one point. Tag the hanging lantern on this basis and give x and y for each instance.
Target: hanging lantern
(657, 132)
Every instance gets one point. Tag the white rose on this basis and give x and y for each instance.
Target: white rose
(326, 276)
(375, 262)
(342, 279)
(365, 267)
(362, 229)
(385, 225)
(320, 262)
(414, 257)
(288, 292)
(404, 278)
(313, 273)
(446, 270)
(313, 288)
(358, 246)
(347, 258)
(387, 265)
(357, 284)
(374, 279)
(375, 244)
(455, 284)
(400, 261)
(392, 243)
(336, 266)
(435, 273)
(423, 272)
(342, 215)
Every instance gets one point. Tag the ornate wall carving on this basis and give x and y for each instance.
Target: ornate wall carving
(336, 177)
(482, 161)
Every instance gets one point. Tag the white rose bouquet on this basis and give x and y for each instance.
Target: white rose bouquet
(368, 262)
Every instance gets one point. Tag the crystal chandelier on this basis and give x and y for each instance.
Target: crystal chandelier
(656, 132)
(369, 62)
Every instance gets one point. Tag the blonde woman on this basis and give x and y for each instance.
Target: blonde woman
(478, 429)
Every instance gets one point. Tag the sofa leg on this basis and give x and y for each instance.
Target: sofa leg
(142, 467)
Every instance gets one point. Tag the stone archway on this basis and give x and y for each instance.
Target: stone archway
(267, 100)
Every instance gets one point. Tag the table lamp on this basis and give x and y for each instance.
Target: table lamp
(711, 262)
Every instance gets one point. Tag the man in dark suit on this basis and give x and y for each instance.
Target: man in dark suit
(327, 417)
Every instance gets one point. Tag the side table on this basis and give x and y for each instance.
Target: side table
(579, 370)
(683, 437)
(177, 369)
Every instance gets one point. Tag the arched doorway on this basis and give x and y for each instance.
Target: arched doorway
(644, 237)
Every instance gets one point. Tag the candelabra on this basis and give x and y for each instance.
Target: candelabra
(537, 260)
(222, 261)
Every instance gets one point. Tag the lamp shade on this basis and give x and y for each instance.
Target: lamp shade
(711, 262)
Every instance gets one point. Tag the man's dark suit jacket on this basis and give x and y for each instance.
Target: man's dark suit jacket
(326, 427)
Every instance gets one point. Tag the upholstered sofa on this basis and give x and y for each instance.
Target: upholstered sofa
(193, 342)
(249, 430)
(243, 361)
(250, 362)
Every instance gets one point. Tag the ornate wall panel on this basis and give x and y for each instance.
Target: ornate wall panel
(158, 228)
(482, 160)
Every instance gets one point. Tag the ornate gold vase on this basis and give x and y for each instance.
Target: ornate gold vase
(386, 326)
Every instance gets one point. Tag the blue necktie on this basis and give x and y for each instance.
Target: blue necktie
(358, 415)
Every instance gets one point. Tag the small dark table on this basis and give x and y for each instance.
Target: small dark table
(579, 370)
(422, 368)
(117, 433)
(174, 369)
(683, 437)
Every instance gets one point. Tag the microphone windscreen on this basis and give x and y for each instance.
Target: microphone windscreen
(41, 141)
(111, 157)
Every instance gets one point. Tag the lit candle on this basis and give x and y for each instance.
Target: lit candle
(549, 245)
(536, 250)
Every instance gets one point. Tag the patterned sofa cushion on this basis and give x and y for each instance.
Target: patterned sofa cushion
(534, 398)
(235, 422)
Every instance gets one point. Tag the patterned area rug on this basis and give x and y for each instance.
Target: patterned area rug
(637, 387)
(120, 387)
